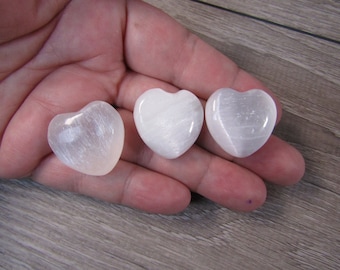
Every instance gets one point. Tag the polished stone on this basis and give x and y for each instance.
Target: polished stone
(240, 122)
(89, 141)
(169, 123)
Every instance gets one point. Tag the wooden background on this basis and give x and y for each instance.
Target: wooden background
(294, 47)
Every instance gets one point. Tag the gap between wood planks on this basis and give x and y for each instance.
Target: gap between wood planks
(267, 21)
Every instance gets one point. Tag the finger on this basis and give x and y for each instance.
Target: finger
(215, 178)
(157, 46)
(127, 184)
(276, 161)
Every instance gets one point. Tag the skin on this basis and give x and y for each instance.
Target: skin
(57, 56)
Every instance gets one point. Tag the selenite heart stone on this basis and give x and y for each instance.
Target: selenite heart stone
(169, 123)
(240, 122)
(89, 141)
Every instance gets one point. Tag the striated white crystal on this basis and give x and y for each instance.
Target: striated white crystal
(240, 122)
(89, 141)
(169, 123)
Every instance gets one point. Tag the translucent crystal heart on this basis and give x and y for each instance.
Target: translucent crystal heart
(240, 122)
(168, 123)
(89, 141)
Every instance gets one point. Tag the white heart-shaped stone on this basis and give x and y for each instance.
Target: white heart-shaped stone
(169, 123)
(240, 122)
(90, 140)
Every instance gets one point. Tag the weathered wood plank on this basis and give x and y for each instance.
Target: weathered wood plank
(297, 228)
(318, 17)
(45, 229)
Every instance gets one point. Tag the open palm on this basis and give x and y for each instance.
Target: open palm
(66, 54)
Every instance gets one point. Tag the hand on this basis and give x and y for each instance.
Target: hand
(66, 54)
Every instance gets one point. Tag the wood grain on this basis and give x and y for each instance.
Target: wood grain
(297, 228)
(317, 17)
(45, 229)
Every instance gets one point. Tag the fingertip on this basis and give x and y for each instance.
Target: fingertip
(233, 187)
(288, 165)
(277, 162)
(253, 197)
(295, 169)
(256, 199)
